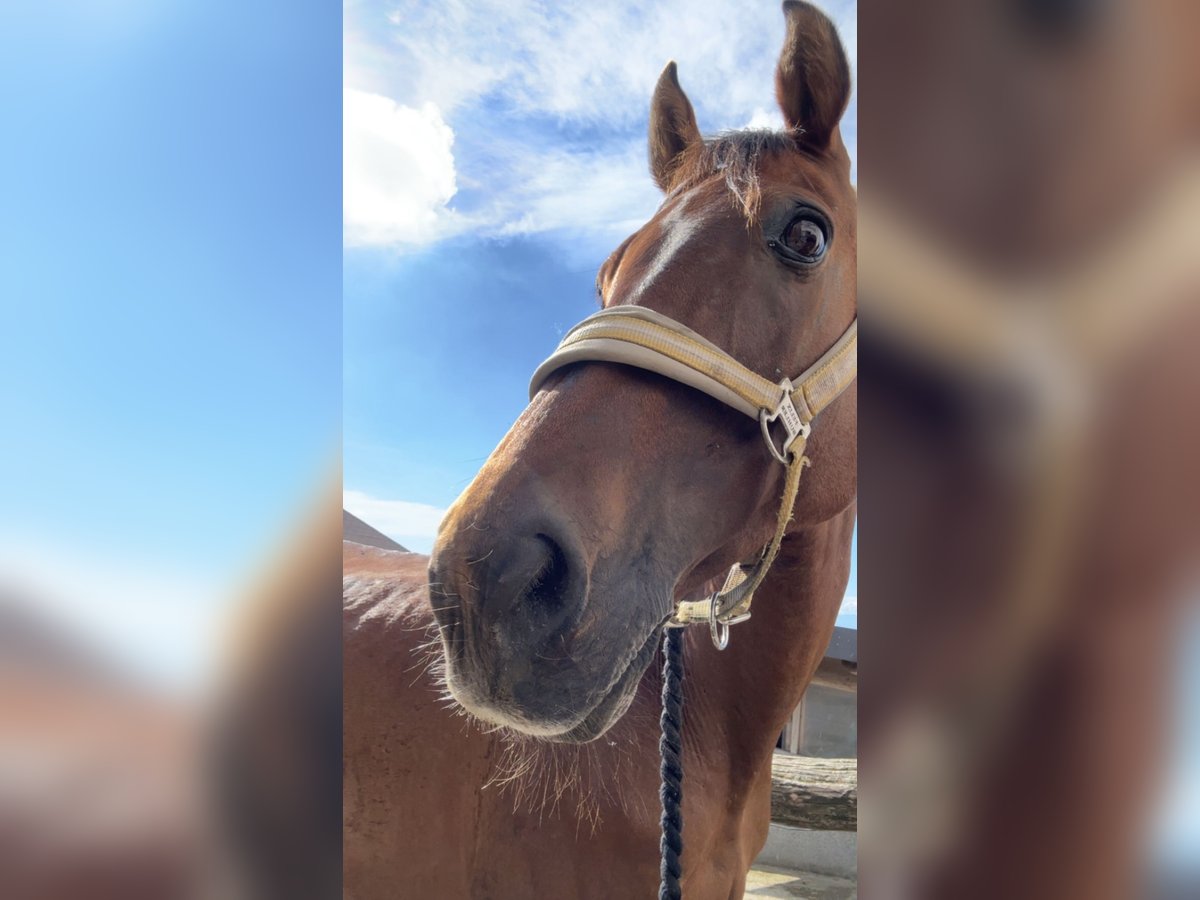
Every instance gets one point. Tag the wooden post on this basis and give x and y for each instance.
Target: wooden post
(821, 794)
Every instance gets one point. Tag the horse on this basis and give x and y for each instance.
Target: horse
(500, 698)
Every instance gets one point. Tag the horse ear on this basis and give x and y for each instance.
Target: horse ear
(812, 82)
(672, 126)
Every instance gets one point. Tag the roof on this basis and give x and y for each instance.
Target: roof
(356, 531)
(843, 645)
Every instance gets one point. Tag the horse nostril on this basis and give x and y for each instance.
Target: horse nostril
(548, 587)
(528, 587)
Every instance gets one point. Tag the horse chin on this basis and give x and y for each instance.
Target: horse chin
(614, 703)
(601, 714)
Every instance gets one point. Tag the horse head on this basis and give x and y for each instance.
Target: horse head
(618, 492)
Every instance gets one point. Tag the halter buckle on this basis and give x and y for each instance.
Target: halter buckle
(786, 413)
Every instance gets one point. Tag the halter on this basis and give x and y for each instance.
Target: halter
(640, 337)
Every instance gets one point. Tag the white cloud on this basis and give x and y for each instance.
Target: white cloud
(571, 83)
(849, 606)
(397, 171)
(412, 524)
(765, 118)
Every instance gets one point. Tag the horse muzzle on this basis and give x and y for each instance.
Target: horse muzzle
(510, 606)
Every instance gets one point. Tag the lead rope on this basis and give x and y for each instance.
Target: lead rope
(670, 746)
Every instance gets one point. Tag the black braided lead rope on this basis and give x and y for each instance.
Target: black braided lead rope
(670, 750)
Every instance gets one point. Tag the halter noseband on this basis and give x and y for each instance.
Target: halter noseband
(640, 337)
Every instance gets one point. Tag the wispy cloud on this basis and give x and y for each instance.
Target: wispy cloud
(602, 194)
(556, 98)
(584, 63)
(412, 524)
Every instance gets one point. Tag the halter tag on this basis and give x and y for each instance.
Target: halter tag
(791, 418)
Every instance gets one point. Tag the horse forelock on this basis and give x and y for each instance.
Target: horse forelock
(737, 155)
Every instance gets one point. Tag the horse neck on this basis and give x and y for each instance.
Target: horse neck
(743, 695)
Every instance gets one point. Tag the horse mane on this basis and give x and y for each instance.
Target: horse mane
(736, 155)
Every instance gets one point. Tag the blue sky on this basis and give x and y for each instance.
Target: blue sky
(170, 273)
(495, 155)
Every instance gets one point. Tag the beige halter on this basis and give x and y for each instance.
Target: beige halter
(640, 337)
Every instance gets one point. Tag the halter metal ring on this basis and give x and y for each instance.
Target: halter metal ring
(718, 629)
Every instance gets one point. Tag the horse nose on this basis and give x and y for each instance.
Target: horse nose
(532, 586)
(519, 585)
(530, 571)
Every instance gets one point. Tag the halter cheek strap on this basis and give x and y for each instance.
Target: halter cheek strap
(640, 337)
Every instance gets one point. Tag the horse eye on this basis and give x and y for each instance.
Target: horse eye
(805, 237)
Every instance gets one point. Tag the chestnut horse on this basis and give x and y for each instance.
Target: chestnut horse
(616, 494)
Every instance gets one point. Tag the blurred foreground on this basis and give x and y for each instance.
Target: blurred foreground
(117, 785)
(1029, 259)
(170, 397)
